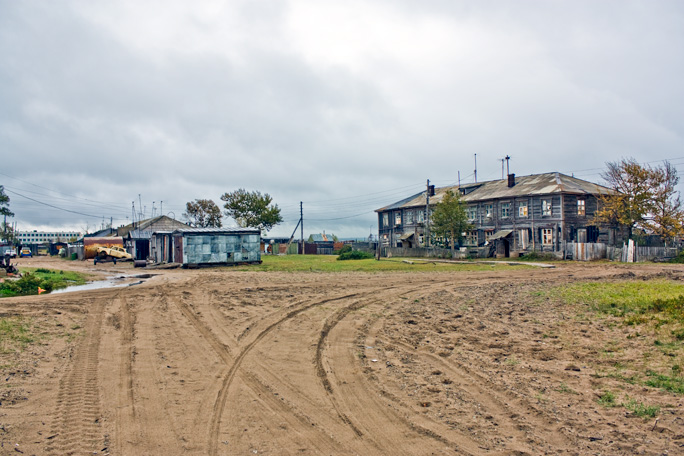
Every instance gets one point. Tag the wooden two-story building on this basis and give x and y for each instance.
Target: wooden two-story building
(538, 212)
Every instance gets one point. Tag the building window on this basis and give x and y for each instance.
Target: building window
(581, 207)
(488, 234)
(472, 213)
(397, 218)
(385, 219)
(421, 216)
(546, 207)
(547, 236)
(409, 217)
(471, 238)
(489, 210)
(505, 210)
(522, 209)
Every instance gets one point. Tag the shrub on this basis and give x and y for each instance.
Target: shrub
(538, 256)
(345, 249)
(356, 255)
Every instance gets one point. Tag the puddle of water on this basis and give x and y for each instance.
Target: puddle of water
(111, 282)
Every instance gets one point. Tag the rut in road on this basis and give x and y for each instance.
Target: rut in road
(221, 399)
(362, 423)
(76, 422)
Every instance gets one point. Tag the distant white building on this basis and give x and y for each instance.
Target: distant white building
(40, 237)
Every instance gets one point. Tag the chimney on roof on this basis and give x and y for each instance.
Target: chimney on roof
(511, 180)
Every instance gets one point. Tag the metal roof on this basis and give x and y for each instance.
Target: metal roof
(500, 235)
(229, 230)
(533, 185)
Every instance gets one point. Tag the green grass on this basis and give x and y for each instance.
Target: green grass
(15, 334)
(638, 302)
(47, 279)
(640, 409)
(607, 399)
(674, 383)
(329, 263)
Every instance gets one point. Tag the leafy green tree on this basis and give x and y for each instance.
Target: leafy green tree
(449, 219)
(666, 213)
(252, 209)
(643, 198)
(6, 233)
(4, 203)
(203, 213)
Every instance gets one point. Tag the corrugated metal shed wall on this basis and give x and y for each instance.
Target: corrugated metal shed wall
(220, 248)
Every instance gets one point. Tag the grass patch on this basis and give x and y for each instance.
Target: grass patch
(674, 383)
(329, 263)
(636, 301)
(15, 334)
(607, 399)
(46, 279)
(640, 409)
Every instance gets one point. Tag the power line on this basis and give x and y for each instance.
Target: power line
(55, 207)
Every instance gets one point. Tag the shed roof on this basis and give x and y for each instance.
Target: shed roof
(532, 185)
(229, 230)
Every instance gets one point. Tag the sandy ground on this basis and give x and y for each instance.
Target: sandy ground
(239, 363)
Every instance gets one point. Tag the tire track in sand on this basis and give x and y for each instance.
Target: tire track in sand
(76, 423)
(229, 375)
(373, 426)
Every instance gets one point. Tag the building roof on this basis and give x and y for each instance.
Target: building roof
(160, 223)
(533, 185)
(229, 230)
(321, 237)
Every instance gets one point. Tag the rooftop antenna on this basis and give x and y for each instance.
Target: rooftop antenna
(142, 214)
(502, 169)
(475, 172)
(507, 170)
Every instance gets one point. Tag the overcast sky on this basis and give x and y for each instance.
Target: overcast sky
(346, 106)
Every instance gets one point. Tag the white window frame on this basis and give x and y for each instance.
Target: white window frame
(489, 210)
(472, 213)
(421, 216)
(547, 236)
(522, 209)
(385, 219)
(581, 207)
(397, 218)
(505, 210)
(409, 217)
(546, 208)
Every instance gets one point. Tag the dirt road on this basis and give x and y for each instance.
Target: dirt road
(226, 362)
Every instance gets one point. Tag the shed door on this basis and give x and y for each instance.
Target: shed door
(178, 249)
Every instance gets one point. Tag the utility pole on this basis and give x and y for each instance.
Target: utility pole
(161, 207)
(301, 220)
(475, 168)
(427, 215)
(502, 163)
(459, 180)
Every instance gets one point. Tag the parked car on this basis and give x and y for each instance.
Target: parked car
(25, 252)
(113, 253)
(12, 253)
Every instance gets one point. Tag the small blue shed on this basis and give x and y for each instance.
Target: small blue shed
(194, 247)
